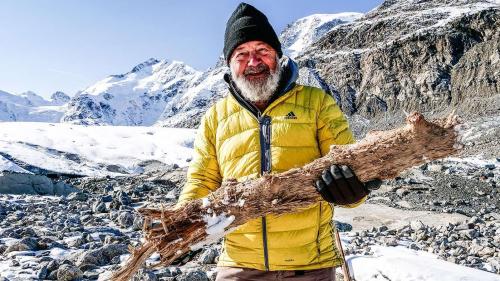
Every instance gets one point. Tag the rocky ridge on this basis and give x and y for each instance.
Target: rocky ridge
(413, 55)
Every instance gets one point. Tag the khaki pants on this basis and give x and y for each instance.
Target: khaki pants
(247, 274)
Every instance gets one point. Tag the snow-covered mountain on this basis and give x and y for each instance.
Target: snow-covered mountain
(404, 54)
(186, 108)
(59, 98)
(302, 33)
(173, 94)
(138, 97)
(413, 55)
(29, 106)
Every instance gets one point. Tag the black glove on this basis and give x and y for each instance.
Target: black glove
(340, 185)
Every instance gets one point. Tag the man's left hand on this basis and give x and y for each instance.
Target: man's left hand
(339, 185)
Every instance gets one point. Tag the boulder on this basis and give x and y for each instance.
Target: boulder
(68, 272)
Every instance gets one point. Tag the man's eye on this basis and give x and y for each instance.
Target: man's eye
(241, 55)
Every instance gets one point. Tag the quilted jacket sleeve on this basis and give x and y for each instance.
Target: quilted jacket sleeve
(203, 175)
(333, 128)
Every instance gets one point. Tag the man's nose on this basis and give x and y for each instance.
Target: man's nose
(254, 59)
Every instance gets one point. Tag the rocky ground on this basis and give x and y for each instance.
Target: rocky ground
(445, 186)
(85, 235)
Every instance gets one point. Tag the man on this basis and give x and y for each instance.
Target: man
(270, 124)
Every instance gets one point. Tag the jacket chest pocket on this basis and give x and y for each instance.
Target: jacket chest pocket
(293, 133)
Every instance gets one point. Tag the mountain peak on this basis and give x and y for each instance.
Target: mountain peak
(34, 99)
(59, 97)
(307, 30)
(149, 62)
(29, 94)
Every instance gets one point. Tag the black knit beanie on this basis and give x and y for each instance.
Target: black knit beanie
(248, 24)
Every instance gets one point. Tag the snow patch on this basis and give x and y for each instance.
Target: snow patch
(92, 150)
(6, 165)
(400, 263)
(241, 202)
(205, 202)
(217, 223)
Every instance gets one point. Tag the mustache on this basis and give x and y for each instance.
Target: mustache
(257, 69)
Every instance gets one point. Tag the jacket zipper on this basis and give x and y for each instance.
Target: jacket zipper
(265, 154)
(265, 166)
(265, 144)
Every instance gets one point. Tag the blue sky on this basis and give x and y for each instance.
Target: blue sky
(68, 45)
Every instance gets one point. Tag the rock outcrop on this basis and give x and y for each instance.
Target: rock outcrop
(411, 55)
(22, 183)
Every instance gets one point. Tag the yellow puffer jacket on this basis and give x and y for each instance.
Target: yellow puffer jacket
(236, 141)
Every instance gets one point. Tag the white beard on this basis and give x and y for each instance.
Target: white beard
(258, 91)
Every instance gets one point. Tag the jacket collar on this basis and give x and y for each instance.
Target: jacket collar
(289, 76)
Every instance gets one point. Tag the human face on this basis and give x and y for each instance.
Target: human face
(248, 60)
(254, 71)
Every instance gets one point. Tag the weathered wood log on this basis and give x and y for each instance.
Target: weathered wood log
(380, 155)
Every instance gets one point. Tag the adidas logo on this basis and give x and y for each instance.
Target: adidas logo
(290, 115)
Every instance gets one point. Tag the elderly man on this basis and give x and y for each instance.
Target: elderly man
(270, 124)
